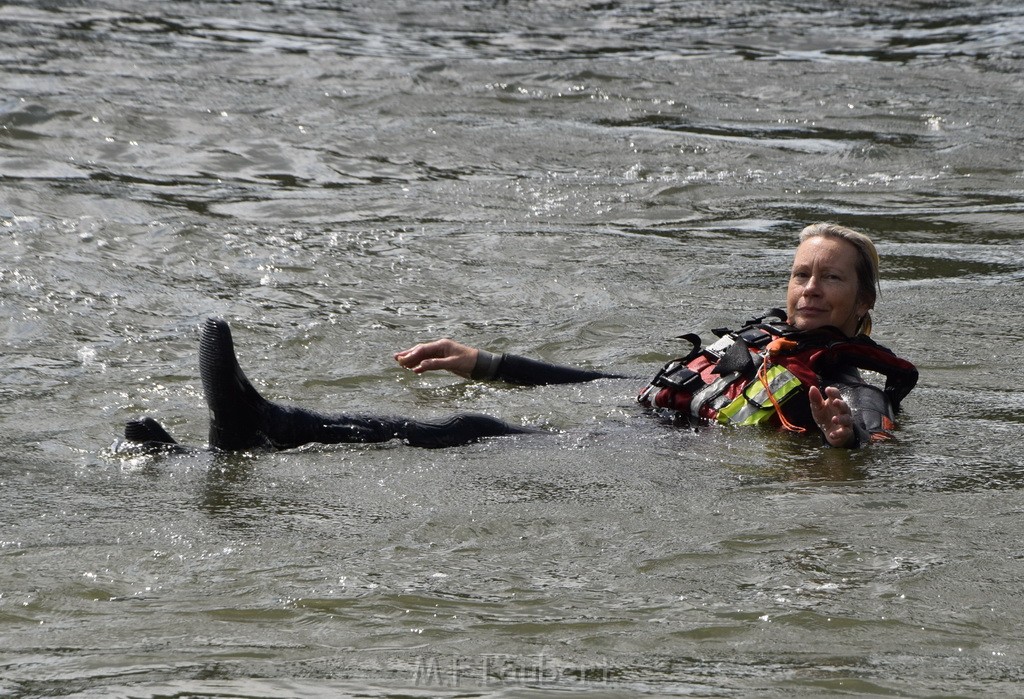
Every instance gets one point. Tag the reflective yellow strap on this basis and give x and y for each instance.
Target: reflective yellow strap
(754, 405)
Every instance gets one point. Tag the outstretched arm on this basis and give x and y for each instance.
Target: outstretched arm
(469, 362)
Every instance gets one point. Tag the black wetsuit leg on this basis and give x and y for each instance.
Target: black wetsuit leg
(458, 429)
(240, 418)
(289, 426)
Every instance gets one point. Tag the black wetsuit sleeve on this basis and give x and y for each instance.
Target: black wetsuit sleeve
(872, 412)
(531, 372)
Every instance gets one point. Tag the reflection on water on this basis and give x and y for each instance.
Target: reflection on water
(580, 183)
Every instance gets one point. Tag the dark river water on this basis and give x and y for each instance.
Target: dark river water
(574, 181)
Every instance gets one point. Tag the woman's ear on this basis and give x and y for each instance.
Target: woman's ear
(864, 305)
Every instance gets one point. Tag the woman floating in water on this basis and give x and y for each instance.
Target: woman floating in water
(796, 370)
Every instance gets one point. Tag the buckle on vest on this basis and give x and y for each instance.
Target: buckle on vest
(676, 376)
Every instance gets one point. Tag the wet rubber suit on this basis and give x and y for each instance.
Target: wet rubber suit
(240, 418)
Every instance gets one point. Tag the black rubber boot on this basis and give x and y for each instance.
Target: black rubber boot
(146, 429)
(237, 410)
(150, 435)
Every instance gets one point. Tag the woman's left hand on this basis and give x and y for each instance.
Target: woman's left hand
(832, 415)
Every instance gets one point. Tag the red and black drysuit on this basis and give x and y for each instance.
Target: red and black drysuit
(702, 384)
(708, 383)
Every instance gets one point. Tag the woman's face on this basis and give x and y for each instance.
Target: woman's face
(823, 287)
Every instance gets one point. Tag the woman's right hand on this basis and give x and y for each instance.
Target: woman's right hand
(440, 354)
(832, 415)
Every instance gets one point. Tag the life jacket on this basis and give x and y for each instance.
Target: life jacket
(746, 376)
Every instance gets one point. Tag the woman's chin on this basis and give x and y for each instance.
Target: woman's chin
(805, 324)
(808, 324)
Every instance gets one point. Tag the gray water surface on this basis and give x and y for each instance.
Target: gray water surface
(578, 182)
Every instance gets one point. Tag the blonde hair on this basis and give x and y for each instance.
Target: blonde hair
(868, 286)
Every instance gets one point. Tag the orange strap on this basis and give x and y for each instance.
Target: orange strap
(774, 346)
